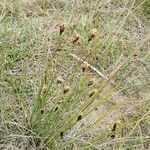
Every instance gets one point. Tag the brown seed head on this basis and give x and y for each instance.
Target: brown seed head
(59, 80)
(62, 28)
(93, 92)
(75, 39)
(66, 89)
(91, 82)
(116, 125)
(92, 34)
(85, 66)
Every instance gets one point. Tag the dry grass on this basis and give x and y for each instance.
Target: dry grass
(74, 74)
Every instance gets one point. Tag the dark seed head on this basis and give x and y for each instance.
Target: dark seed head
(42, 111)
(90, 38)
(96, 108)
(62, 28)
(79, 118)
(112, 136)
(141, 49)
(76, 39)
(56, 109)
(91, 82)
(93, 92)
(61, 134)
(60, 80)
(114, 127)
(96, 58)
(135, 55)
(15, 120)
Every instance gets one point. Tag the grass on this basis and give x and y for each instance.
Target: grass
(102, 98)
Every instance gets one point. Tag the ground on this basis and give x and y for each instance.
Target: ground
(74, 74)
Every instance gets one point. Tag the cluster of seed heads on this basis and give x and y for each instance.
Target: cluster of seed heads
(85, 67)
(114, 128)
(60, 80)
(91, 36)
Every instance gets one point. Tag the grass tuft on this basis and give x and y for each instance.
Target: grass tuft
(74, 74)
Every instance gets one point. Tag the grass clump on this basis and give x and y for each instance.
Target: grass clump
(74, 76)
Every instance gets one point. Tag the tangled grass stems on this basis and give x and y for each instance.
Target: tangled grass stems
(112, 36)
(37, 106)
(100, 119)
(90, 100)
(134, 127)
